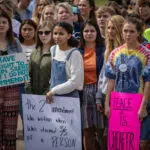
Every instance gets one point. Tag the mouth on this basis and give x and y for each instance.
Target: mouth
(27, 36)
(89, 37)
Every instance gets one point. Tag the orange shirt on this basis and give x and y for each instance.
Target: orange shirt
(89, 58)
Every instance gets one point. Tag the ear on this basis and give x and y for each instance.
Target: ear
(69, 36)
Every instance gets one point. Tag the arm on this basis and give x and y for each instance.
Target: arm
(110, 88)
(101, 91)
(75, 81)
(146, 76)
(76, 76)
(28, 88)
(142, 111)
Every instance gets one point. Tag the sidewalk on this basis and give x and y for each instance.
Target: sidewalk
(20, 141)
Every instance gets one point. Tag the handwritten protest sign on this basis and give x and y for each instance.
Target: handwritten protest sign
(55, 126)
(124, 126)
(13, 69)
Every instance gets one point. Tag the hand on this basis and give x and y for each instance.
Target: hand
(49, 98)
(142, 113)
(107, 110)
(100, 108)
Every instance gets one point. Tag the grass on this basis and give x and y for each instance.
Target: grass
(100, 2)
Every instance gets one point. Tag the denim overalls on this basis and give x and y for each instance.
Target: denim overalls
(58, 73)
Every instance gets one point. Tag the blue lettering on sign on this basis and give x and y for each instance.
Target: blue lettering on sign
(5, 59)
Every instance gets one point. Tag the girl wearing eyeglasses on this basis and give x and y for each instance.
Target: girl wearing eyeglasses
(40, 60)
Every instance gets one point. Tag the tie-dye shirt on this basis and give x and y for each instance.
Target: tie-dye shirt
(129, 68)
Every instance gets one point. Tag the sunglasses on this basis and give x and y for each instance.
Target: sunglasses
(44, 32)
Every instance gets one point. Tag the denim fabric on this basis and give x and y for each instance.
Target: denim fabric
(145, 128)
(58, 73)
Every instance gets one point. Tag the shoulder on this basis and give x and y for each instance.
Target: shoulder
(117, 51)
(52, 49)
(74, 55)
(76, 52)
(144, 50)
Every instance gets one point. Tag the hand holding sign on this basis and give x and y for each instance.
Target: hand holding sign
(49, 98)
(51, 127)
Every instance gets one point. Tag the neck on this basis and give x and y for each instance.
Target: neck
(45, 47)
(2, 37)
(102, 31)
(132, 45)
(28, 43)
(85, 16)
(90, 44)
(64, 47)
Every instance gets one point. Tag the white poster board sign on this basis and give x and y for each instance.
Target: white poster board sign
(55, 126)
(13, 69)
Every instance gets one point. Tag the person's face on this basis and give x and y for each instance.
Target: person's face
(133, 4)
(89, 33)
(84, 7)
(76, 2)
(4, 25)
(41, 5)
(111, 30)
(102, 20)
(28, 32)
(75, 17)
(60, 35)
(49, 13)
(144, 12)
(44, 35)
(64, 15)
(25, 3)
(15, 4)
(130, 33)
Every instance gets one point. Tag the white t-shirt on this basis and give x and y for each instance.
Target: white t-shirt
(28, 50)
(74, 71)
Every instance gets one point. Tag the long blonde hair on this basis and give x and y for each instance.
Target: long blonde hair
(117, 41)
(36, 14)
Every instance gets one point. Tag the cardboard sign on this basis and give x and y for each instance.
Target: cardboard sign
(124, 125)
(55, 126)
(13, 69)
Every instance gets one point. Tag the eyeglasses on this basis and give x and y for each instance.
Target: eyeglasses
(44, 32)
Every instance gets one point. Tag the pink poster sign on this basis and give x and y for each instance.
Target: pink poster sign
(124, 125)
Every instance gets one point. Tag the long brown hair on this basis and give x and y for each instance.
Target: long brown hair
(9, 34)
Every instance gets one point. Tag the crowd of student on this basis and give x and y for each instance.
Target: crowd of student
(77, 49)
